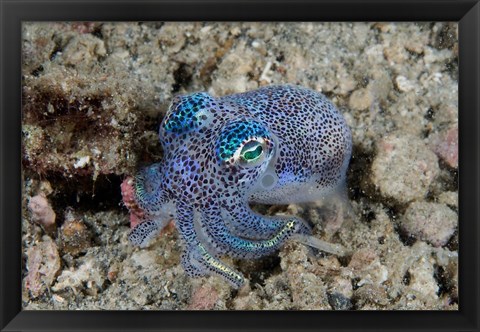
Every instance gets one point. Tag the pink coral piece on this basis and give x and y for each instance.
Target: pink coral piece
(446, 146)
(134, 220)
(203, 298)
(128, 194)
(42, 212)
(137, 214)
(43, 264)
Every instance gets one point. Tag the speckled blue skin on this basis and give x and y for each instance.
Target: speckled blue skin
(275, 145)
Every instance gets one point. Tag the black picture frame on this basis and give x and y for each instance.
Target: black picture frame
(13, 12)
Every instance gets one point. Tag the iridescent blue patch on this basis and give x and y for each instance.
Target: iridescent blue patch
(184, 113)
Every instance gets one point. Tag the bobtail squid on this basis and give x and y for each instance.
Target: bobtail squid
(275, 145)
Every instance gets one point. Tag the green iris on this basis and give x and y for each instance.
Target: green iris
(252, 151)
(251, 155)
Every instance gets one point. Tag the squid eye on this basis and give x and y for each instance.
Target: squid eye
(244, 143)
(253, 153)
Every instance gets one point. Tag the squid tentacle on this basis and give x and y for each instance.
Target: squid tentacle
(150, 192)
(153, 199)
(143, 234)
(197, 260)
(245, 222)
(223, 241)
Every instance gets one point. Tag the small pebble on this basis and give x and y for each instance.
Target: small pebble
(339, 301)
(341, 285)
(404, 168)
(449, 198)
(360, 99)
(366, 266)
(75, 238)
(422, 278)
(431, 222)
(403, 84)
(372, 294)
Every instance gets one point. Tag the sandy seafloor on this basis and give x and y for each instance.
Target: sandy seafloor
(93, 96)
